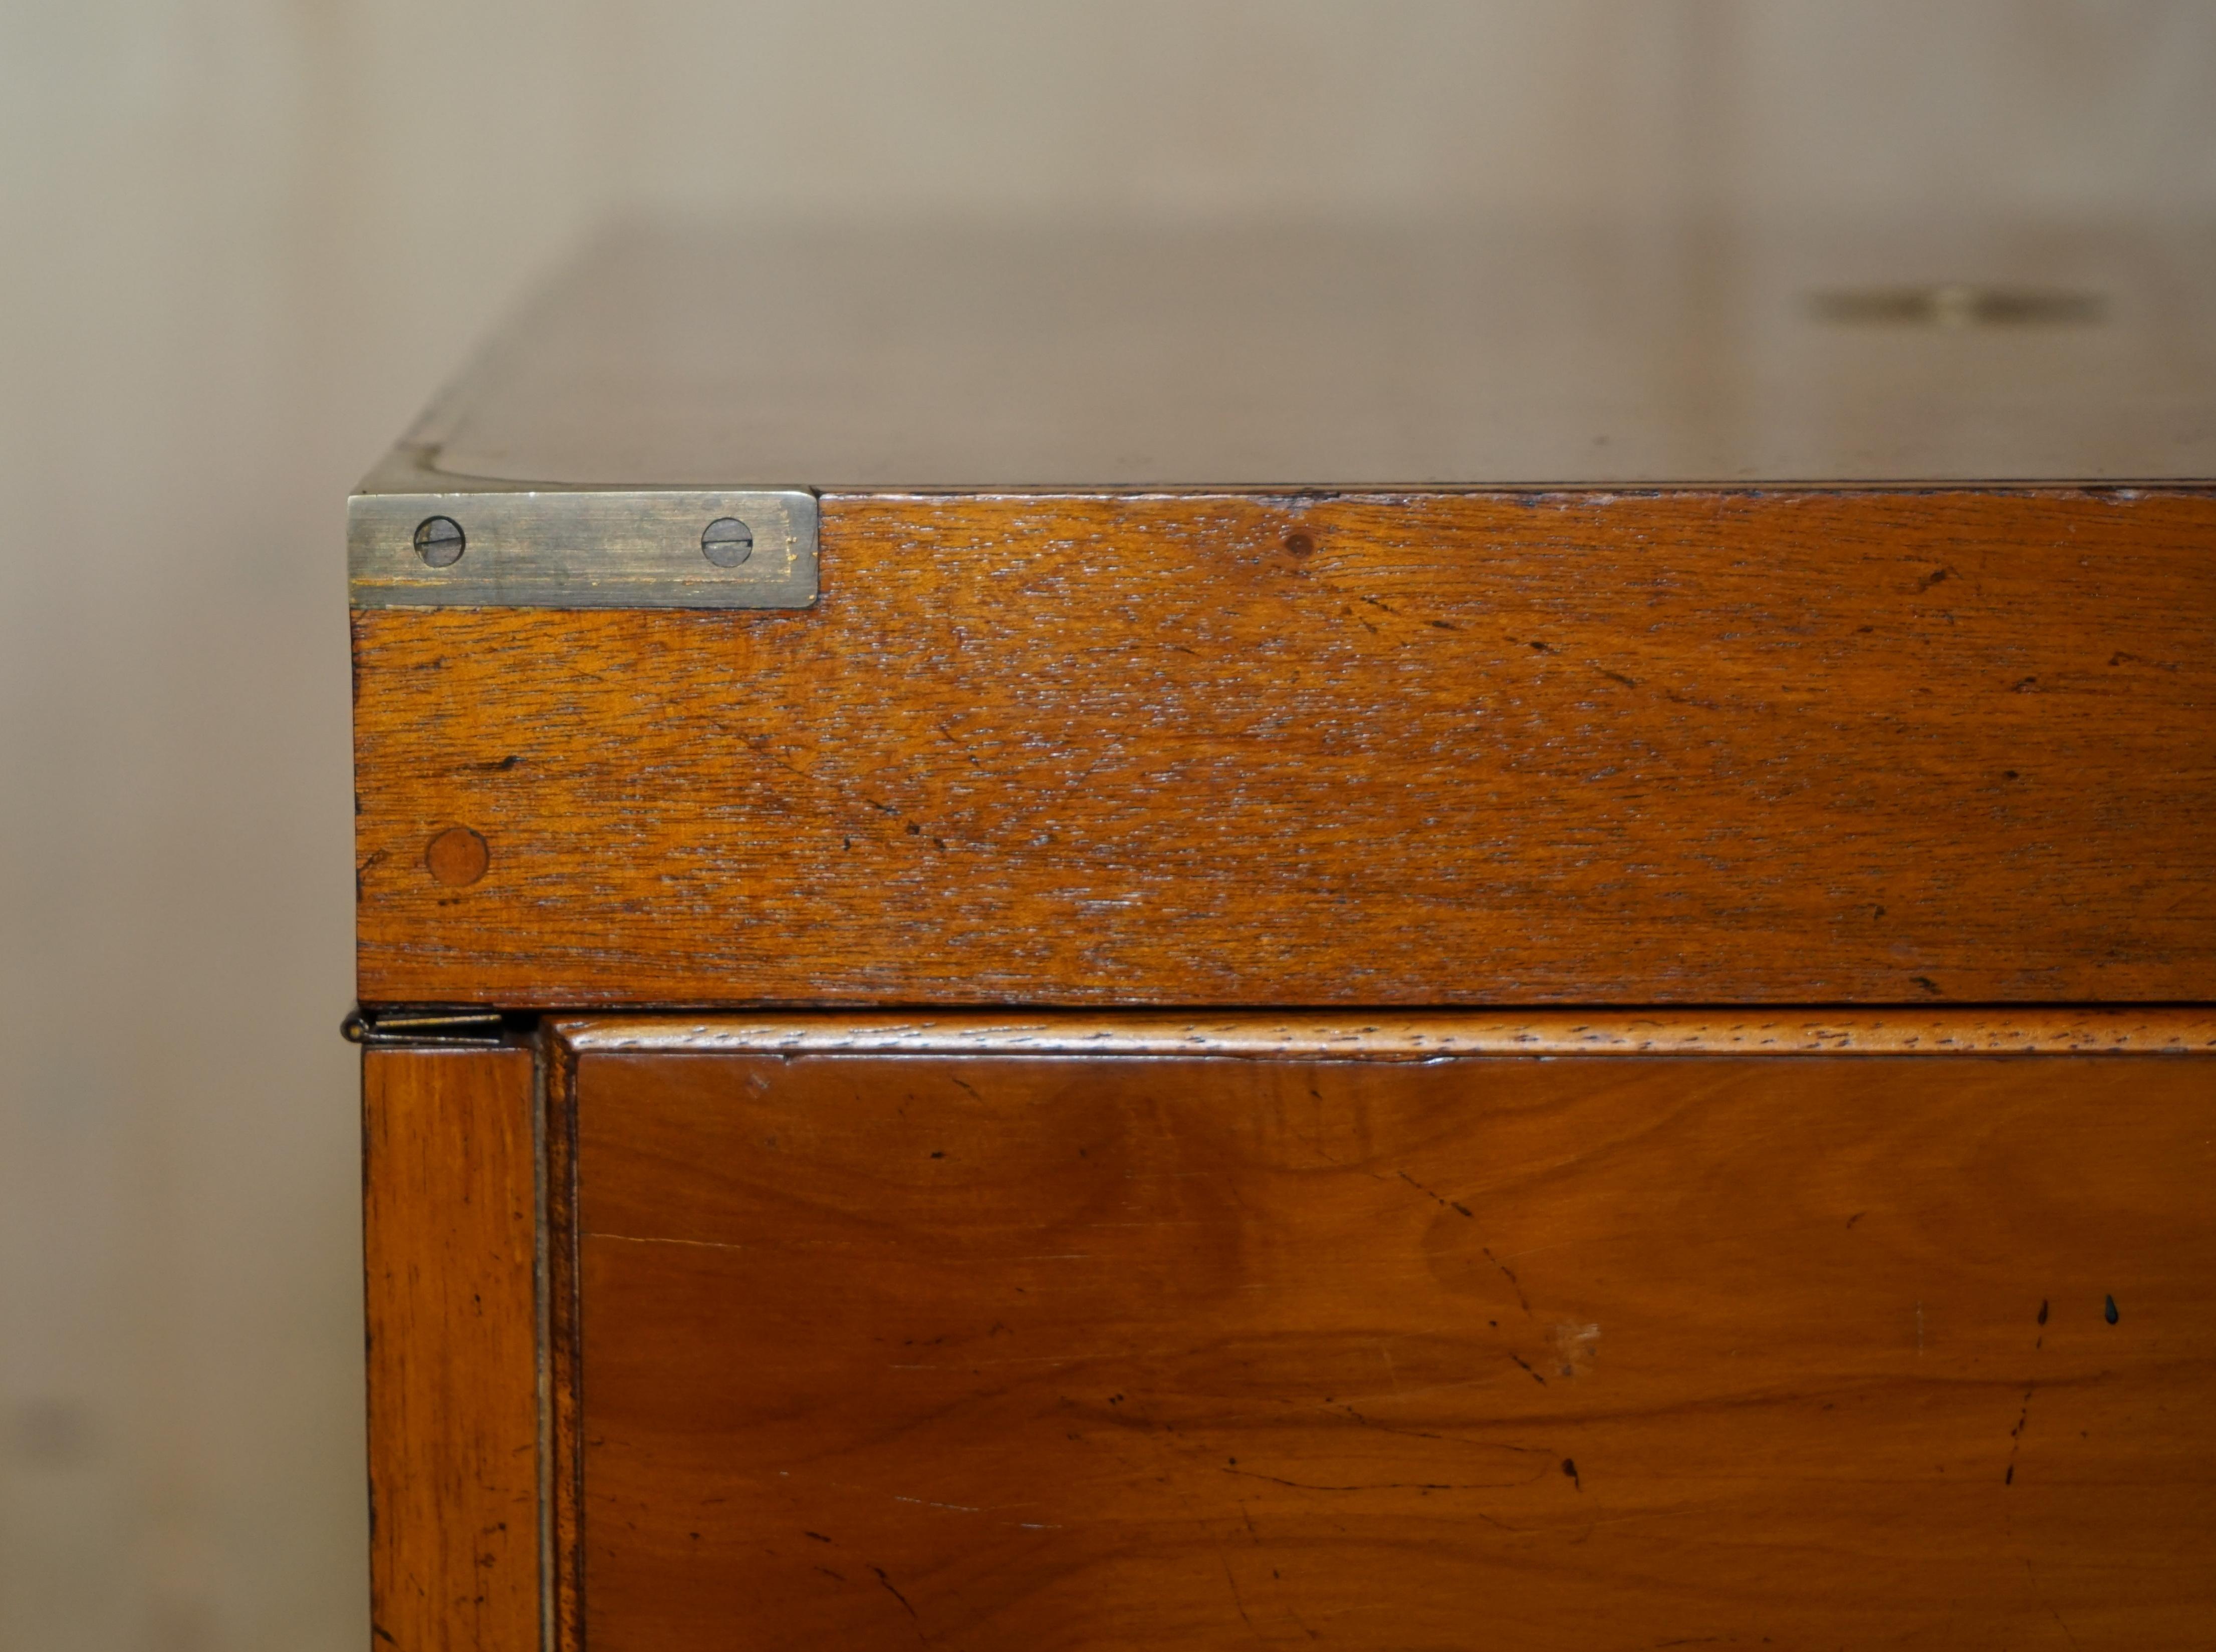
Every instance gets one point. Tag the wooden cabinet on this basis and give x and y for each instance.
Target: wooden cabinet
(1085, 941)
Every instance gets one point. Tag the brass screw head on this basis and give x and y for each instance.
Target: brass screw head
(439, 541)
(727, 541)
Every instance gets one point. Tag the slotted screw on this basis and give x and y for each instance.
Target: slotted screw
(439, 541)
(727, 541)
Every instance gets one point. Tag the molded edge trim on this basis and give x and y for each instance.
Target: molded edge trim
(1409, 1036)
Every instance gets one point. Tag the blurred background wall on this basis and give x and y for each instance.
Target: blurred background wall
(241, 241)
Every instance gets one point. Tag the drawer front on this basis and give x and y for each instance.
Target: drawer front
(1684, 746)
(979, 1347)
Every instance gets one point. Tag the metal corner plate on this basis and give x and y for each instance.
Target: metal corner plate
(530, 548)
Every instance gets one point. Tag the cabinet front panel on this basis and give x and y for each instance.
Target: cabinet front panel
(1030, 1352)
(1690, 747)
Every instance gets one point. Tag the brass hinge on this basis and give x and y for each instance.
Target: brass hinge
(469, 1029)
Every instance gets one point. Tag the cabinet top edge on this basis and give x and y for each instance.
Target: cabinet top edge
(1430, 352)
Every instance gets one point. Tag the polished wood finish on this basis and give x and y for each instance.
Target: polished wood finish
(450, 1210)
(1419, 349)
(1686, 747)
(1417, 1036)
(1005, 1350)
(562, 1311)
(1447, 934)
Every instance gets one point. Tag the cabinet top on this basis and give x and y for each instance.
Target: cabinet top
(1463, 353)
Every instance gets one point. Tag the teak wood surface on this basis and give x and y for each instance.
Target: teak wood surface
(450, 1214)
(1681, 746)
(1022, 1351)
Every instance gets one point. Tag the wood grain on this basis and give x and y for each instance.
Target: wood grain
(451, 1227)
(1423, 1035)
(1679, 747)
(565, 1480)
(1025, 1352)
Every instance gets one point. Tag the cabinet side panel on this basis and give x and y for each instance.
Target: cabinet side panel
(564, 1392)
(450, 1221)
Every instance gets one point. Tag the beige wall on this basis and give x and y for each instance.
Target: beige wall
(240, 240)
